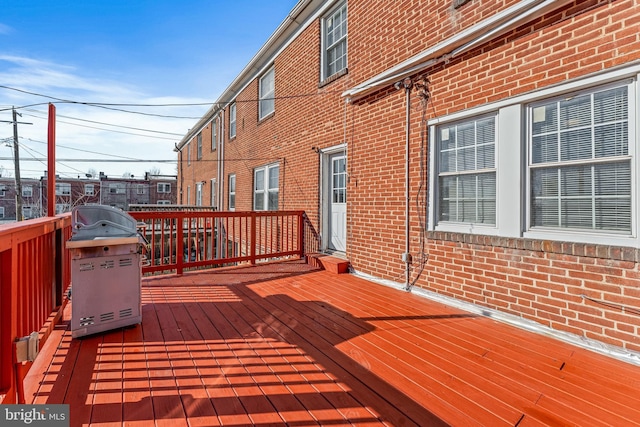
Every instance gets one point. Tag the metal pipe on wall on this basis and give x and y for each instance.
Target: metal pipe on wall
(406, 256)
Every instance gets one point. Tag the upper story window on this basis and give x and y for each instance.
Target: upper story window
(164, 187)
(334, 42)
(140, 189)
(63, 189)
(232, 192)
(580, 164)
(117, 188)
(27, 191)
(266, 188)
(214, 134)
(188, 153)
(199, 147)
(466, 171)
(89, 189)
(232, 120)
(267, 104)
(1, 211)
(3, 191)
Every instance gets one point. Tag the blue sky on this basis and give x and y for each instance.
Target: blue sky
(120, 51)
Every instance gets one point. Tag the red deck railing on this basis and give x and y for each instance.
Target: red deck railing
(188, 240)
(34, 274)
(35, 265)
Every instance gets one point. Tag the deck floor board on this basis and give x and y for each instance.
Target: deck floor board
(288, 344)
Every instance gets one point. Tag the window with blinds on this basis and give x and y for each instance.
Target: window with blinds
(335, 41)
(580, 166)
(467, 171)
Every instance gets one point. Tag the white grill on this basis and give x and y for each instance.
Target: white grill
(105, 270)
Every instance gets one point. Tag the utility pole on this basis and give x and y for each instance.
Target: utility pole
(16, 161)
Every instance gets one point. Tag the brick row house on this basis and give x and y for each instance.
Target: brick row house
(481, 153)
(71, 192)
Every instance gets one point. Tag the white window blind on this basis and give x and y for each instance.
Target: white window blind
(580, 164)
(467, 173)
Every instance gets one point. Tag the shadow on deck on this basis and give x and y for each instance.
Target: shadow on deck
(287, 344)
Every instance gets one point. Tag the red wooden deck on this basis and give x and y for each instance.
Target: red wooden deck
(286, 344)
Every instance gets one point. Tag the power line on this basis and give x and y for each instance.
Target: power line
(108, 130)
(79, 149)
(102, 105)
(111, 106)
(43, 159)
(101, 123)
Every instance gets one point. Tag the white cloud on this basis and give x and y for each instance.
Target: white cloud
(68, 82)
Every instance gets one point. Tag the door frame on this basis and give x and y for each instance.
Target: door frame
(325, 195)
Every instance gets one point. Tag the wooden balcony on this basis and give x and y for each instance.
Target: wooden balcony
(285, 343)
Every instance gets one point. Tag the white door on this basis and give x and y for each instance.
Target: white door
(338, 202)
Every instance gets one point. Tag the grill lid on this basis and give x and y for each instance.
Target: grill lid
(92, 221)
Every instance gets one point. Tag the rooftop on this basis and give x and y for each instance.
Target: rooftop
(287, 343)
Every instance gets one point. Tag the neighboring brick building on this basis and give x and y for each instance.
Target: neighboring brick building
(152, 190)
(71, 192)
(31, 199)
(522, 194)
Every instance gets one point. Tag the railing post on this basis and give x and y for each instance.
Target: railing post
(301, 242)
(58, 265)
(254, 243)
(180, 245)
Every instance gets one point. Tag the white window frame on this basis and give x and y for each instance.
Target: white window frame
(512, 176)
(232, 192)
(560, 167)
(164, 202)
(188, 194)
(327, 47)
(29, 209)
(232, 120)
(199, 194)
(3, 191)
(164, 187)
(263, 189)
(199, 146)
(27, 191)
(189, 154)
(117, 188)
(456, 151)
(1, 212)
(214, 193)
(140, 189)
(267, 92)
(63, 189)
(89, 189)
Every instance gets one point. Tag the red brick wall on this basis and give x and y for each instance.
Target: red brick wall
(572, 287)
(542, 281)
